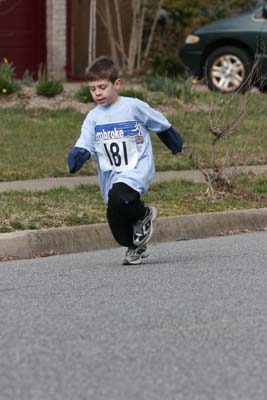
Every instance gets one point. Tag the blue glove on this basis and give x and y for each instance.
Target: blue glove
(76, 158)
(172, 139)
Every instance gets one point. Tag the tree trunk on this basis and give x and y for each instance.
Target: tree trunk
(136, 4)
(121, 47)
(92, 32)
(111, 35)
(152, 31)
(140, 35)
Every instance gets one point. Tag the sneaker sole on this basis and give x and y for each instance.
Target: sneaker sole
(136, 262)
(154, 216)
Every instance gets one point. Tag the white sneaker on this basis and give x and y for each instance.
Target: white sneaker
(143, 229)
(135, 256)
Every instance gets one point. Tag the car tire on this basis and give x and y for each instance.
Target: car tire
(228, 69)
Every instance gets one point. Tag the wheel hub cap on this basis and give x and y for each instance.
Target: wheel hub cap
(227, 73)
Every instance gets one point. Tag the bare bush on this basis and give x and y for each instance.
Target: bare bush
(133, 56)
(227, 115)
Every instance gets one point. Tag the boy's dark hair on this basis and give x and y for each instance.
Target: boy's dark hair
(102, 68)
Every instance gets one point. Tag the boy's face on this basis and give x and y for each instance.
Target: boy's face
(104, 92)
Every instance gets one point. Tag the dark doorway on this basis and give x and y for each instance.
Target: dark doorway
(23, 34)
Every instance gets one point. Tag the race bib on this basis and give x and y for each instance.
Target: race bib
(116, 145)
(117, 155)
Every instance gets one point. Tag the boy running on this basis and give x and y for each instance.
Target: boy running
(116, 131)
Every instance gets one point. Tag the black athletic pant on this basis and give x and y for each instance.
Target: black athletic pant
(125, 208)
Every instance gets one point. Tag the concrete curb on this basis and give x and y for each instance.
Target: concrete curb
(31, 244)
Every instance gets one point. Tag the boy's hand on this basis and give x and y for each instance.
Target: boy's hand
(76, 158)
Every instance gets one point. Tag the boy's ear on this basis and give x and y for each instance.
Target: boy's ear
(117, 83)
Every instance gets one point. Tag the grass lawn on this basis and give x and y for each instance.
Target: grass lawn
(34, 143)
(84, 205)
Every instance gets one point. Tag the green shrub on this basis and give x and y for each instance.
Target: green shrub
(49, 88)
(8, 87)
(126, 76)
(186, 93)
(180, 87)
(27, 78)
(132, 93)
(84, 94)
(45, 87)
(7, 75)
(7, 70)
(162, 84)
(165, 64)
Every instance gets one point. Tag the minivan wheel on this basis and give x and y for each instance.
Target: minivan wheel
(228, 70)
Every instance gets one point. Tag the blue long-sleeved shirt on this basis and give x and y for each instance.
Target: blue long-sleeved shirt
(118, 135)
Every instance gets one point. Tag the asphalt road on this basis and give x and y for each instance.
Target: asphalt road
(189, 324)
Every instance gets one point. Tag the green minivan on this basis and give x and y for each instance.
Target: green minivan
(231, 53)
